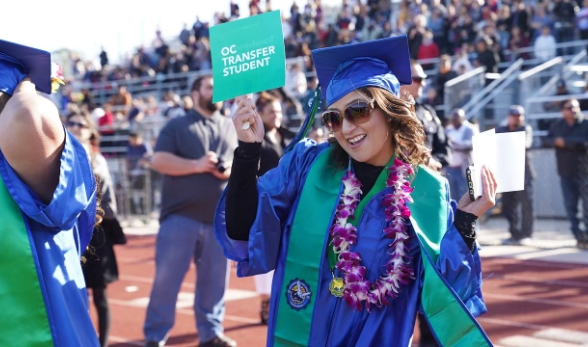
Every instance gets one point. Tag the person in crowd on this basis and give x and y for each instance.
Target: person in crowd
(99, 266)
(444, 75)
(459, 137)
(524, 198)
(485, 57)
(194, 153)
(138, 157)
(569, 137)
(436, 141)
(545, 45)
(276, 137)
(122, 101)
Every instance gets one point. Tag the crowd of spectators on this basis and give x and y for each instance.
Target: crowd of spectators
(434, 27)
(464, 33)
(449, 37)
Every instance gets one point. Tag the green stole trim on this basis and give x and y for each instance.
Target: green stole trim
(449, 318)
(320, 194)
(22, 308)
(306, 249)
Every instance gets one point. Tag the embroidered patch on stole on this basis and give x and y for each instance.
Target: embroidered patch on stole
(298, 294)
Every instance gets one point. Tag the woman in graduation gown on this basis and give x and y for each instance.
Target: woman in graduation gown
(360, 233)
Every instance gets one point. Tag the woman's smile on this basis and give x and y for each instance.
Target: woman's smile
(356, 141)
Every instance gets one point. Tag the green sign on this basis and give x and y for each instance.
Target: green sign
(248, 56)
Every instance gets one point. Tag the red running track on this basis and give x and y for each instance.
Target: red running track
(523, 297)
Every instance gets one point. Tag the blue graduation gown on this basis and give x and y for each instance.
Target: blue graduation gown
(335, 323)
(59, 232)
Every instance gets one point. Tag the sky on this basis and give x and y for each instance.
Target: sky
(118, 25)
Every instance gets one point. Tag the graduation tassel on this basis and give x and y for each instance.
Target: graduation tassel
(308, 122)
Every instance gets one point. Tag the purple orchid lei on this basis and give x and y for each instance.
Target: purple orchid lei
(343, 234)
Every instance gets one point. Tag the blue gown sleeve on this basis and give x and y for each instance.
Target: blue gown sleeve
(277, 192)
(74, 198)
(461, 267)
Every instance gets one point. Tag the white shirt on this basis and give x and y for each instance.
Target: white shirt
(460, 139)
(545, 47)
(295, 84)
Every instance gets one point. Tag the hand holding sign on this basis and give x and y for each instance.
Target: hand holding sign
(246, 113)
(246, 124)
(248, 56)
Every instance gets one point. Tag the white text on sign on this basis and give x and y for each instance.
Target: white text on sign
(240, 62)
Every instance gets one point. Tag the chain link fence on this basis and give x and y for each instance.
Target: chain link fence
(137, 186)
(137, 190)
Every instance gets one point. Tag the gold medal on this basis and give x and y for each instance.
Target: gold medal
(337, 287)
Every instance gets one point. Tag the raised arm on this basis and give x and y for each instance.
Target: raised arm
(32, 138)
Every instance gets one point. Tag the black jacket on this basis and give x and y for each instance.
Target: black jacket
(572, 159)
(434, 131)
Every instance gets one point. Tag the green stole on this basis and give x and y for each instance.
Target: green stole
(22, 308)
(447, 315)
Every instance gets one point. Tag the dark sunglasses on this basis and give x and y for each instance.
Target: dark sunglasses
(76, 125)
(418, 79)
(356, 113)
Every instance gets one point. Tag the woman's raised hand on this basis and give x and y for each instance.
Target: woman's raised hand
(248, 123)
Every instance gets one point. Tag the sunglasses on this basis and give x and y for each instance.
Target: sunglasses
(356, 113)
(418, 79)
(76, 125)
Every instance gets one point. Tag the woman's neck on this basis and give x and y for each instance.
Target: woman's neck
(382, 158)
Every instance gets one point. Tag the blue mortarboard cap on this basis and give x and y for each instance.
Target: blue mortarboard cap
(18, 62)
(381, 63)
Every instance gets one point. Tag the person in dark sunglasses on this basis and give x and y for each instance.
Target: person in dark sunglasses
(436, 139)
(569, 136)
(360, 232)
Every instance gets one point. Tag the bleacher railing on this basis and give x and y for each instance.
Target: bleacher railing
(180, 82)
(540, 99)
(156, 85)
(460, 90)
